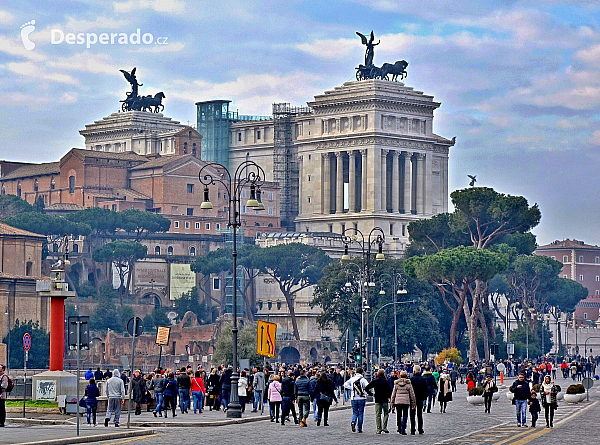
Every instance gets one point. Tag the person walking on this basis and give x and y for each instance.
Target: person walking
(444, 391)
(226, 387)
(89, 374)
(115, 392)
(326, 391)
(403, 399)
(489, 388)
(549, 400)
(158, 383)
(214, 390)
(275, 398)
(421, 391)
(91, 401)
(453, 378)
(258, 384)
(302, 395)
(520, 388)
(198, 391)
(431, 385)
(242, 390)
(287, 398)
(383, 393)
(170, 395)
(98, 375)
(358, 399)
(184, 384)
(138, 390)
(534, 408)
(3, 394)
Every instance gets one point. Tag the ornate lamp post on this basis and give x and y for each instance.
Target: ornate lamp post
(398, 288)
(375, 237)
(247, 174)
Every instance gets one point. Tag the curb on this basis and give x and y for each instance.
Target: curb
(93, 438)
(38, 421)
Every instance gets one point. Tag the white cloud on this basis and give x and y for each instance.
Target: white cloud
(35, 71)
(6, 18)
(87, 62)
(15, 47)
(331, 49)
(166, 6)
(596, 137)
(590, 55)
(76, 25)
(169, 48)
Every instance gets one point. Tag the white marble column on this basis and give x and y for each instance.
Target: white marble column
(428, 185)
(407, 182)
(395, 182)
(326, 181)
(300, 194)
(352, 181)
(420, 183)
(339, 190)
(384, 180)
(363, 182)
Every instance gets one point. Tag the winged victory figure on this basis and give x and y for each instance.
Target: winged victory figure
(130, 77)
(369, 53)
(473, 180)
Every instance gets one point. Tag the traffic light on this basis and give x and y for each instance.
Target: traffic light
(495, 349)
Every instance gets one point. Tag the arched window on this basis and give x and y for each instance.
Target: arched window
(75, 248)
(52, 184)
(19, 189)
(192, 251)
(170, 250)
(194, 149)
(35, 185)
(3, 190)
(157, 250)
(185, 148)
(71, 184)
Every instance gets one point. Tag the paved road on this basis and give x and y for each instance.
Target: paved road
(461, 424)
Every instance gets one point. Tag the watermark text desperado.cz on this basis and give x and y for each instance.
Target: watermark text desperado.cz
(88, 39)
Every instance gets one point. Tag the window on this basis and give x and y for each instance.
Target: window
(218, 226)
(207, 226)
(170, 250)
(174, 210)
(192, 251)
(189, 211)
(597, 277)
(270, 211)
(553, 257)
(19, 189)
(185, 148)
(216, 283)
(581, 258)
(278, 305)
(244, 209)
(157, 250)
(597, 292)
(308, 178)
(565, 259)
(309, 156)
(270, 305)
(597, 260)
(176, 224)
(239, 137)
(565, 276)
(28, 268)
(309, 200)
(391, 229)
(270, 196)
(330, 228)
(114, 207)
(355, 225)
(585, 315)
(187, 224)
(244, 193)
(35, 186)
(197, 225)
(403, 229)
(75, 248)
(343, 228)
(71, 184)
(190, 188)
(258, 134)
(580, 277)
(3, 190)
(52, 184)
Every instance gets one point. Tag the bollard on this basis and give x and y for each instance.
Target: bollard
(502, 378)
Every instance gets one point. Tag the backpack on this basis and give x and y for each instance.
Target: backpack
(11, 384)
(312, 388)
(358, 389)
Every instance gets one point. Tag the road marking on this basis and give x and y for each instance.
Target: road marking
(131, 440)
(471, 433)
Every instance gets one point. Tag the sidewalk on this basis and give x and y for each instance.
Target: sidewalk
(21, 433)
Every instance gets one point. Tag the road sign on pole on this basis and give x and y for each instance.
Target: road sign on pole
(26, 341)
(265, 338)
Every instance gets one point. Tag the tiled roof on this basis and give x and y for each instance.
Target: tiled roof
(127, 156)
(64, 206)
(48, 168)
(568, 244)
(129, 192)
(159, 162)
(5, 229)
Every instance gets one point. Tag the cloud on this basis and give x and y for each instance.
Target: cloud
(331, 49)
(36, 72)
(6, 18)
(166, 6)
(36, 101)
(596, 138)
(77, 25)
(169, 48)
(590, 55)
(15, 47)
(86, 62)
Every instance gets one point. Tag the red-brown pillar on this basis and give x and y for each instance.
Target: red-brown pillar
(57, 333)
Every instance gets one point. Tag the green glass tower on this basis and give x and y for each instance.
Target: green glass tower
(213, 124)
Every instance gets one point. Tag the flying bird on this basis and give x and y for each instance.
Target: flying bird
(473, 180)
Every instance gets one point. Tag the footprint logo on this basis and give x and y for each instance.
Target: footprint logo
(27, 29)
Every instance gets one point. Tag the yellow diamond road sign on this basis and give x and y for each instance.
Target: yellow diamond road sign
(265, 338)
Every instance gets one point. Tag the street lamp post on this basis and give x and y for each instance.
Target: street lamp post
(395, 303)
(375, 237)
(247, 174)
(398, 288)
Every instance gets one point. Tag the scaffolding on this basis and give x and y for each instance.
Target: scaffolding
(285, 162)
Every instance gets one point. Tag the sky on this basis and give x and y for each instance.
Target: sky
(519, 81)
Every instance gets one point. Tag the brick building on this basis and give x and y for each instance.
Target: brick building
(581, 263)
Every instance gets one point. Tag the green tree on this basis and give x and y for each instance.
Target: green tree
(12, 205)
(143, 223)
(190, 301)
(294, 267)
(106, 316)
(246, 345)
(86, 289)
(458, 273)
(39, 354)
(563, 298)
(428, 236)
(123, 255)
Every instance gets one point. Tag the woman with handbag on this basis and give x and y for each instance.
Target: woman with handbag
(549, 400)
(489, 388)
(198, 392)
(214, 389)
(91, 402)
(326, 390)
(444, 391)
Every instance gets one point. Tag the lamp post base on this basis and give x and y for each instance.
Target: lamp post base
(234, 410)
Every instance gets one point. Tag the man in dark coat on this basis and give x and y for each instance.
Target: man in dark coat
(382, 400)
(421, 389)
(138, 388)
(431, 385)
